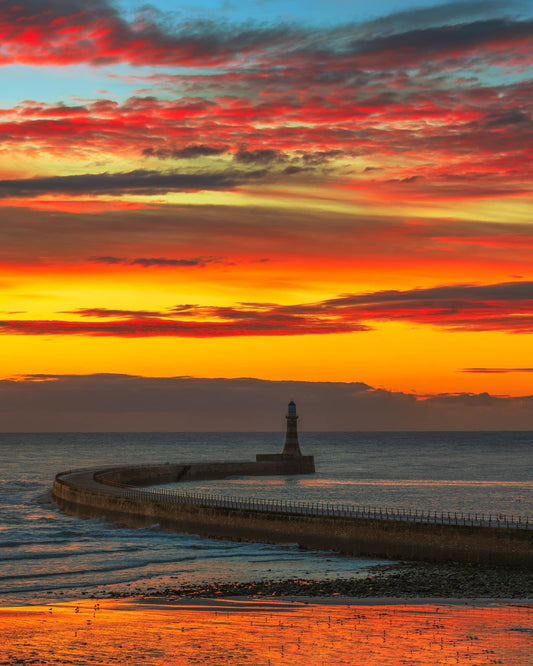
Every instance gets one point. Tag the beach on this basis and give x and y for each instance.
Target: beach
(87, 592)
(272, 623)
(397, 581)
(259, 632)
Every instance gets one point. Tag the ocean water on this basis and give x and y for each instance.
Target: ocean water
(46, 555)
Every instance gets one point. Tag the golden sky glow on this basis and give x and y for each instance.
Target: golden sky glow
(324, 202)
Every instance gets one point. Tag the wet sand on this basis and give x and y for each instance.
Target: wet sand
(269, 632)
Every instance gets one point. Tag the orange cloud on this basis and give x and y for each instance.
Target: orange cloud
(497, 307)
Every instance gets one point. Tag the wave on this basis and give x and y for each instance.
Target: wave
(135, 565)
(10, 484)
(15, 593)
(55, 555)
(43, 498)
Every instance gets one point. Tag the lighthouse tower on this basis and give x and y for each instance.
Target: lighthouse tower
(291, 460)
(292, 446)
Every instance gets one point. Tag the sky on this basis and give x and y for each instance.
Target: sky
(229, 198)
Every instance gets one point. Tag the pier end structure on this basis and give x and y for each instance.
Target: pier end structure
(291, 451)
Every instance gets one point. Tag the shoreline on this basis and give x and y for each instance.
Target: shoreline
(402, 581)
(139, 605)
(229, 604)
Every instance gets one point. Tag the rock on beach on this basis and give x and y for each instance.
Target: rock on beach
(404, 580)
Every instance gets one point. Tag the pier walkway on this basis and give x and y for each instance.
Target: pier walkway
(121, 494)
(323, 509)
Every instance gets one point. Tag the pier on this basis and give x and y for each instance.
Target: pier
(117, 494)
(121, 494)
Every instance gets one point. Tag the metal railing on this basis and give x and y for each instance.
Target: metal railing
(316, 509)
(324, 509)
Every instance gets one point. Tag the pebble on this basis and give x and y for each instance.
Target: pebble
(393, 581)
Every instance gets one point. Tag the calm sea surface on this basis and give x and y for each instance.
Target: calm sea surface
(47, 555)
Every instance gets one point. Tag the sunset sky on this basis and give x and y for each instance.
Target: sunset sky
(314, 191)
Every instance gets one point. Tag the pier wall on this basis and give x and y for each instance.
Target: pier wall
(203, 471)
(103, 494)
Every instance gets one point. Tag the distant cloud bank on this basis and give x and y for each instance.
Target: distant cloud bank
(112, 402)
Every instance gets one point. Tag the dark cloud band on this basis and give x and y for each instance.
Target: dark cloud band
(129, 403)
(139, 182)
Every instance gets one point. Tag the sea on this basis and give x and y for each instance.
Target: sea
(47, 555)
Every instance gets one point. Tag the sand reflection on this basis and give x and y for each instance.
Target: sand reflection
(269, 633)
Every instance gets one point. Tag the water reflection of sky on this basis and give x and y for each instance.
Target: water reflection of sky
(268, 633)
(474, 496)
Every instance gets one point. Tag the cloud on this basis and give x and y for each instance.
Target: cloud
(498, 307)
(190, 152)
(490, 371)
(159, 327)
(470, 134)
(93, 31)
(440, 42)
(113, 261)
(503, 307)
(105, 313)
(510, 117)
(130, 403)
(448, 294)
(243, 234)
(260, 156)
(447, 13)
(164, 262)
(139, 182)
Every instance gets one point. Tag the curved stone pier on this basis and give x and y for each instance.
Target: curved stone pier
(116, 493)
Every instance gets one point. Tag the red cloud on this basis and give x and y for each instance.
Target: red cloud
(153, 327)
(502, 307)
(93, 31)
(381, 94)
(468, 143)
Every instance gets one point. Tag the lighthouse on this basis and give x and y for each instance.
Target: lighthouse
(291, 460)
(292, 446)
